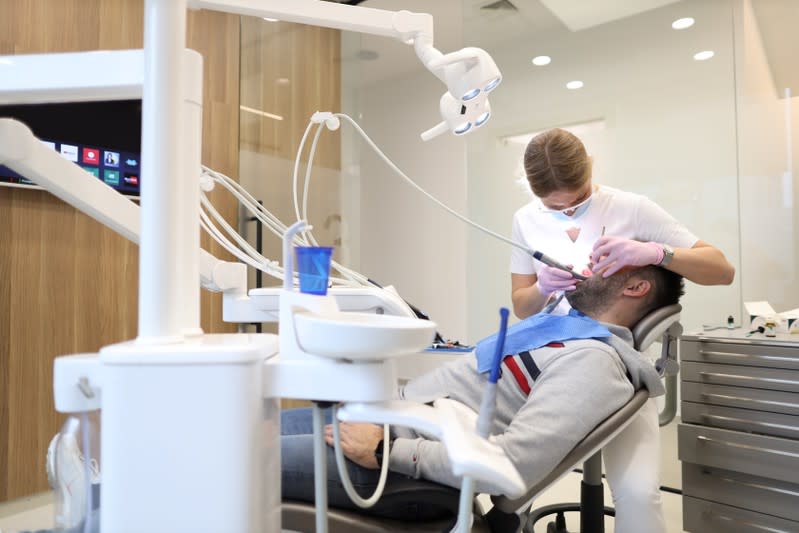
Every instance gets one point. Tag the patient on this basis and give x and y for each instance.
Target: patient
(554, 390)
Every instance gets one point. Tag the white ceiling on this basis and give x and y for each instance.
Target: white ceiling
(581, 14)
(488, 24)
(777, 21)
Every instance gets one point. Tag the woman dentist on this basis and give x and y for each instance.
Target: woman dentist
(590, 226)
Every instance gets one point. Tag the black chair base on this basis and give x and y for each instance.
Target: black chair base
(559, 525)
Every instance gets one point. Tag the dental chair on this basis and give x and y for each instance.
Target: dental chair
(515, 516)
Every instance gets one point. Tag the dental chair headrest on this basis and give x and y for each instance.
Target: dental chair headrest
(652, 327)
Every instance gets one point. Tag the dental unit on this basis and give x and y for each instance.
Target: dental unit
(175, 396)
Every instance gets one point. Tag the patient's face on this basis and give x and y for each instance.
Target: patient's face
(597, 293)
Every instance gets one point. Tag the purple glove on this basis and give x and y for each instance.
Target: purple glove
(616, 253)
(551, 279)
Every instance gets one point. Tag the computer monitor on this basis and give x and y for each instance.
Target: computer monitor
(103, 137)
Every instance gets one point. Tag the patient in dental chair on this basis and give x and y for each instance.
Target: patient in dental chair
(562, 377)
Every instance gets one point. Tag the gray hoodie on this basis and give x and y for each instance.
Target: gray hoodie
(571, 390)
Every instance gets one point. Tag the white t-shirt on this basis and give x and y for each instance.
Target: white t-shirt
(620, 213)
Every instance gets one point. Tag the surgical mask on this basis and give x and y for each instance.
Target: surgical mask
(571, 213)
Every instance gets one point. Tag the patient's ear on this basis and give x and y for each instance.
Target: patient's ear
(637, 287)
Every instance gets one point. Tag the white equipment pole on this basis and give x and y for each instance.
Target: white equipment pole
(162, 162)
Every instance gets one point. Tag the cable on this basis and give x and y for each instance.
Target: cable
(534, 253)
(242, 250)
(363, 503)
(297, 167)
(87, 471)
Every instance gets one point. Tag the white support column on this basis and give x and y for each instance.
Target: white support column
(188, 249)
(163, 160)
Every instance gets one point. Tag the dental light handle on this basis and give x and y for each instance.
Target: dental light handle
(484, 419)
(555, 264)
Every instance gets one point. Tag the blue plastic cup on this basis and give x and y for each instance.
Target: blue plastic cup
(313, 268)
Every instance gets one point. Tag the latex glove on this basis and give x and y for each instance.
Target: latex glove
(616, 253)
(551, 279)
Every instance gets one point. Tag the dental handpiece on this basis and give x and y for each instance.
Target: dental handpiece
(551, 262)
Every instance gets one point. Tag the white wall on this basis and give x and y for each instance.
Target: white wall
(670, 134)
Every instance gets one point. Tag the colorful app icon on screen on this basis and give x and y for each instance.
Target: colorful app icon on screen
(111, 177)
(111, 159)
(91, 156)
(131, 179)
(69, 151)
(92, 170)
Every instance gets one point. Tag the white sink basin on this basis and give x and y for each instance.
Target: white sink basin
(362, 336)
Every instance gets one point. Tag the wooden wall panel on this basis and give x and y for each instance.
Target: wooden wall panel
(68, 284)
(216, 36)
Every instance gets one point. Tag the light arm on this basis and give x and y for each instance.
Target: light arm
(402, 25)
(469, 74)
(22, 152)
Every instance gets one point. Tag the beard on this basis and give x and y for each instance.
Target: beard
(596, 294)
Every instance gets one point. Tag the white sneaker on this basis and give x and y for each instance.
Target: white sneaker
(67, 476)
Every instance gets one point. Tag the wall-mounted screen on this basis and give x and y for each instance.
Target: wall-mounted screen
(103, 138)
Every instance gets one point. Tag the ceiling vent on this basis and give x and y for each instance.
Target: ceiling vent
(500, 5)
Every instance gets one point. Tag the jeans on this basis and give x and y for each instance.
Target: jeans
(297, 473)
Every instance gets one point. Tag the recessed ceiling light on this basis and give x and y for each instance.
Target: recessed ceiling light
(681, 24)
(706, 54)
(576, 84)
(540, 61)
(269, 19)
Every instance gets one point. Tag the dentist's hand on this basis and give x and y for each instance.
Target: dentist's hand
(617, 253)
(551, 279)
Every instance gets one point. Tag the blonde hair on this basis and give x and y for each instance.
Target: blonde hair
(556, 160)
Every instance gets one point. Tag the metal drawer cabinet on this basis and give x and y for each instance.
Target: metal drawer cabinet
(727, 396)
(773, 379)
(701, 516)
(743, 352)
(757, 455)
(748, 420)
(767, 496)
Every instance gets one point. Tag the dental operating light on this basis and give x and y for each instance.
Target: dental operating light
(469, 73)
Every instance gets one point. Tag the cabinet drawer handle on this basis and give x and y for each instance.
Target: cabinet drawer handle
(751, 356)
(746, 446)
(753, 485)
(750, 400)
(759, 527)
(750, 422)
(749, 378)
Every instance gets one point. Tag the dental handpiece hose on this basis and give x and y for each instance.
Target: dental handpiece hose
(484, 420)
(535, 253)
(551, 262)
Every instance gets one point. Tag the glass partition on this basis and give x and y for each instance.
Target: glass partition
(699, 117)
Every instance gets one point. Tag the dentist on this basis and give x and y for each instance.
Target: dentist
(590, 227)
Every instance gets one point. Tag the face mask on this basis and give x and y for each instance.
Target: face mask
(572, 213)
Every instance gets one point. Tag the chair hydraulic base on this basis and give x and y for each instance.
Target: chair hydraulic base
(591, 507)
